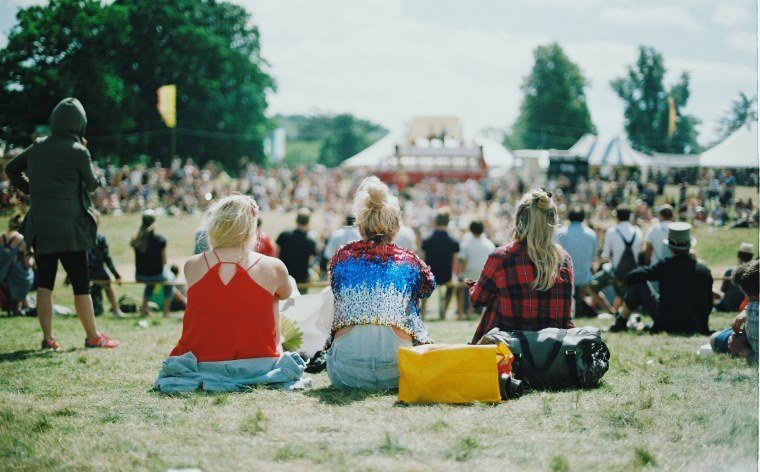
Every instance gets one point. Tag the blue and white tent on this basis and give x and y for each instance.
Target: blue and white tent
(605, 151)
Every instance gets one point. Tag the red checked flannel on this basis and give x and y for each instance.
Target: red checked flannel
(504, 288)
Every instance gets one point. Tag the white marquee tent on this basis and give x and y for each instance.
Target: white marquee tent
(606, 151)
(739, 150)
(495, 154)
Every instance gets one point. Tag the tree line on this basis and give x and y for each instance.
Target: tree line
(114, 57)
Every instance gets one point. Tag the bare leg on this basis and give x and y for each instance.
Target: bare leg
(460, 303)
(86, 314)
(600, 299)
(167, 306)
(111, 294)
(45, 311)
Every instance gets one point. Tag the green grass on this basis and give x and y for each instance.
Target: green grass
(660, 407)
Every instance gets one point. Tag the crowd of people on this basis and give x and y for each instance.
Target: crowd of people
(385, 250)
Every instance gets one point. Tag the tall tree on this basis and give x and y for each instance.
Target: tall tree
(650, 108)
(554, 113)
(114, 58)
(67, 48)
(742, 110)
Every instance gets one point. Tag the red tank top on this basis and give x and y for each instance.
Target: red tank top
(228, 322)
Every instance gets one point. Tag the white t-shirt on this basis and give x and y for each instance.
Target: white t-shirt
(654, 238)
(474, 252)
(613, 245)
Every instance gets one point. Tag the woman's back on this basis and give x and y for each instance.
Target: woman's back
(229, 314)
(231, 308)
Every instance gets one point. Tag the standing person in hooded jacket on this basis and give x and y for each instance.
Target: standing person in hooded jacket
(56, 172)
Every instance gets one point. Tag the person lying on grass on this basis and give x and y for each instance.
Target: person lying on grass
(230, 328)
(742, 337)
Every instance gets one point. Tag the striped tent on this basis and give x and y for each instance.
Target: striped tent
(601, 151)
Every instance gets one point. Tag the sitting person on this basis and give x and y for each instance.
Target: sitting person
(742, 337)
(230, 333)
(377, 287)
(684, 302)
(150, 262)
(527, 284)
(98, 258)
(731, 296)
(15, 264)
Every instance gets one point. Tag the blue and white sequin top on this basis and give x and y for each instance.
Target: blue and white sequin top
(380, 284)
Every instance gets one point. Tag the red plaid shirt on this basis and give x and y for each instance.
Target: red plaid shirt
(504, 288)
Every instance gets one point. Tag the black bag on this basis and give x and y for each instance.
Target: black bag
(554, 357)
(628, 261)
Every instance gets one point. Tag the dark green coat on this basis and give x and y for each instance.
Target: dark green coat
(56, 172)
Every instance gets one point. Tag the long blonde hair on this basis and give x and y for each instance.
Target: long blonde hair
(231, 221)
(147, 226)
(377, 212)
(535, 223)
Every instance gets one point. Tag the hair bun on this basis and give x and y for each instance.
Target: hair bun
(377, 196)
(541, 200)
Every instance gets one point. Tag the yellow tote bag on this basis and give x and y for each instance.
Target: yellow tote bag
(450, 373)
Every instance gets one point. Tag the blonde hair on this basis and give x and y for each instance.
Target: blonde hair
(535, 222)
(231, 222)
(377, 212)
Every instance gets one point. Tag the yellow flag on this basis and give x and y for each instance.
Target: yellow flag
(167, 104)
(671, 117)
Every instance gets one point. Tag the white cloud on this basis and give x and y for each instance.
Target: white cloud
(731, 14)
(648, 16)
(743, 41)
(3, 40)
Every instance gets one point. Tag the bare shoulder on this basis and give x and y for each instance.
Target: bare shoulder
(195, 268)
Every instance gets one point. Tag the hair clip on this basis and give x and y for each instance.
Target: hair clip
(254, 209)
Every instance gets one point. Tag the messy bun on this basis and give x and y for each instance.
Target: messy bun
(377, 212)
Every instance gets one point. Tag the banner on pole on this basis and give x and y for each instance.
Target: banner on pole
(167, 104)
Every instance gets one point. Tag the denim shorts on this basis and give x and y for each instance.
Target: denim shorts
(365, 358)
(720, 343)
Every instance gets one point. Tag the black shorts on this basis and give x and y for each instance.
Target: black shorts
(75, 265)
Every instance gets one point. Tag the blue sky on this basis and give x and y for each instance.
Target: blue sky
(391, 60)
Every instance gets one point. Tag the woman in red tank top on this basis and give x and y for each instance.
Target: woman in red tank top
(233, 292)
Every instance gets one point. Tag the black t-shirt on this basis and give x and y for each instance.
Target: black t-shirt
(296, 247)
(149, 263)
(439, 249)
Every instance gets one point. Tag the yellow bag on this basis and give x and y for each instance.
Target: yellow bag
(451, 373)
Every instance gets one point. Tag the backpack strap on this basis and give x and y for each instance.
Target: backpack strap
(525, 347)
(627, 243)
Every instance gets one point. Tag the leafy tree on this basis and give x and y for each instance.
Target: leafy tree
(742, 109)
(326, 139)
(554, 113)
(647, 109)
(114, 58)
(67, 48)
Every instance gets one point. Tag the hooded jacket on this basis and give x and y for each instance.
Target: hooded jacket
(56, 172)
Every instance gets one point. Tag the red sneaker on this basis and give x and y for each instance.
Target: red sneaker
(101, 341)
(51, 345)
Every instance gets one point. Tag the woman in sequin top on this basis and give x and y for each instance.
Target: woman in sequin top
(377, 287)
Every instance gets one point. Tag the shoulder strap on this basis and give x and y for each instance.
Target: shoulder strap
(627, 243)
(525, 347)
(206, 259)
(254, 263)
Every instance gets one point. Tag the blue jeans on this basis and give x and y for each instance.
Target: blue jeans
(151, 280)
(365, 358)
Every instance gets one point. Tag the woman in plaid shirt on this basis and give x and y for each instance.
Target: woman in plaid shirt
(527, 284)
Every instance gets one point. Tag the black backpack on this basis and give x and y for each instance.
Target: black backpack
(628, 261)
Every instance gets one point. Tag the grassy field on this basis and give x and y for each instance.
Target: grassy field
(660, 407)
